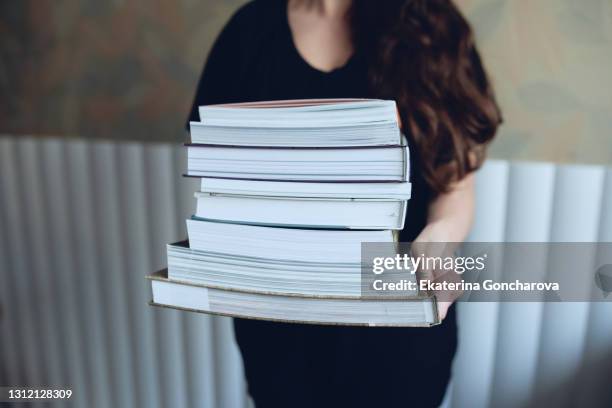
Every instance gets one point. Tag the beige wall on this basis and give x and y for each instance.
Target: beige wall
(551, 62)
(101, 68)
(128, 69)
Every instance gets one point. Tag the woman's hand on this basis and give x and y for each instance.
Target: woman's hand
(434, 243)
(449, 221)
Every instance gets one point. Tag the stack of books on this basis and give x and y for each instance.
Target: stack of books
(289, 192)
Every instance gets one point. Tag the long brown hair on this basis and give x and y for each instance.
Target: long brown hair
(422, 54)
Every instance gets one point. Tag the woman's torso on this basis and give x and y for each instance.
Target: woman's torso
(298, 365)
(269, 67)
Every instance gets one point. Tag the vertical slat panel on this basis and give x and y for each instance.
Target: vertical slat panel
(30, 350)
(198, 327)
(530, 200)
(137, 261)
(593, 388)
(161, 198)
(230, 384)
(3, 368)
(578, 192)
(199, 349)
(8, 362)
(82, 223)
(41, 285)
(88, 277)
(478, 321)
(110, 252)
(228, 368)
(10, 346)
(185, 188)
(61, 261)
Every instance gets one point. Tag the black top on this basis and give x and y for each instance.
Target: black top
(296, 365)
(255, 59)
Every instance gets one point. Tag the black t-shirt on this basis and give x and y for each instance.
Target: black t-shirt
(255, 59)
(296, 365)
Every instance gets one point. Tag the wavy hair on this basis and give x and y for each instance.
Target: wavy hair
(422, 53)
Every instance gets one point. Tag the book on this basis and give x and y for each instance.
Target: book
(312, 212)
(397, 191)
(324, 205)
(268, 275)
(290, 192)
(307, 123)
(380, 163)
(416, 312)
(282, 243)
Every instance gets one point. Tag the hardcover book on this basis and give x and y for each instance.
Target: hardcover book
(417, 312)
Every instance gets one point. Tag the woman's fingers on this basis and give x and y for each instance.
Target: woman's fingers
(435, 257)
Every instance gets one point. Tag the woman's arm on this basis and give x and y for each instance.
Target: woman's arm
(451, 214)
(449, 221)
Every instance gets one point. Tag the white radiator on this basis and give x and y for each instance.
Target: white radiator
(81, 223)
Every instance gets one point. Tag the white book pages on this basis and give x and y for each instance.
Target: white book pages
(398, 191)
(408, 313)
(321, 123)
(302, 212)
(290, 244)
(359, 164)
(267, 275)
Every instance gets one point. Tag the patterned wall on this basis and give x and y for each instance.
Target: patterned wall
(103, 68)
(551, 61)
(127, 69)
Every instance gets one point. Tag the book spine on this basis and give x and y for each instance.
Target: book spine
(406, 167)
(402, 215)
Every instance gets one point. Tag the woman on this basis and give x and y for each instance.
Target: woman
(420, 53)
